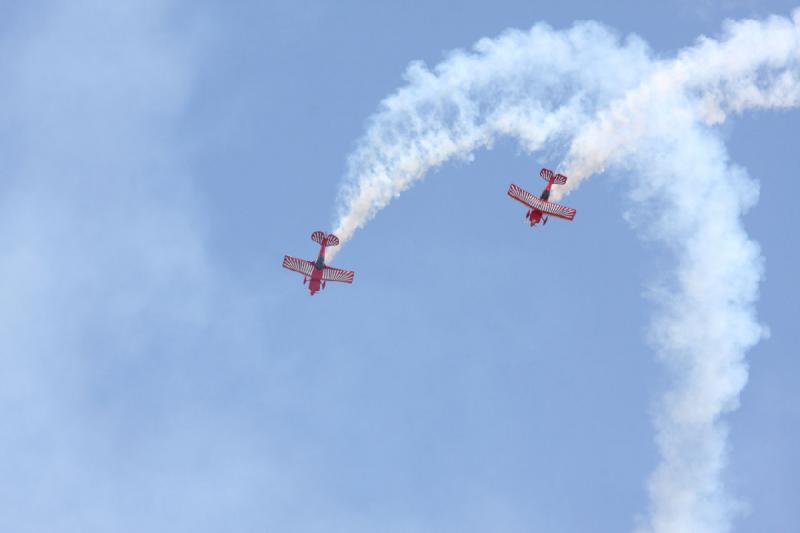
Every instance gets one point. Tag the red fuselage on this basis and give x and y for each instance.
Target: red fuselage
(535, 215)
(315, 283)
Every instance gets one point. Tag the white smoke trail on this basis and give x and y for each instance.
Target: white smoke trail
(537, 86)
(707, 321)
(755, 65)
(616, 106)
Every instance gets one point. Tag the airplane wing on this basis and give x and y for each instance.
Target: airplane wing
(557, 210)
(298, 265)
(337, 274)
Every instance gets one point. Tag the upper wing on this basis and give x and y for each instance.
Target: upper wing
(337, 274)
(298, 265)
(557, 210)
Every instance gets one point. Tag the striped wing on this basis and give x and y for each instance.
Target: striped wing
(337, 274)
(298, 265)
(521, 195)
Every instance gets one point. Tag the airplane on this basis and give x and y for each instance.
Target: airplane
(316, 273)
(539, 208)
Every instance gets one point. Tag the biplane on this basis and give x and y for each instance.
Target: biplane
(541, 208)
(317, 273)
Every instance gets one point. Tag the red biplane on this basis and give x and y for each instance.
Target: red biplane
(539, 208)
(317, 273)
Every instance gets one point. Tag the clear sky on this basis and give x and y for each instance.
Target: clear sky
(159, 371)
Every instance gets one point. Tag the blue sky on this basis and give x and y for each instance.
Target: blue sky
(159, 371)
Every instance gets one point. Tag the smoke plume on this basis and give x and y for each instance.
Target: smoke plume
(609, 104)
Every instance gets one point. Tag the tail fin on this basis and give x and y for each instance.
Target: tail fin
(549, 175)
(319, 236)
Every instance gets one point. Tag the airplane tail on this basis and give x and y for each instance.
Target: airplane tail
(319, 236)
(548, 175)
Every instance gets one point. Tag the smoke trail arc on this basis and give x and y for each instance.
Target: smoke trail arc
(614, 105)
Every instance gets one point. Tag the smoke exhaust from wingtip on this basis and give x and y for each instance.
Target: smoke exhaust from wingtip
(615, 106)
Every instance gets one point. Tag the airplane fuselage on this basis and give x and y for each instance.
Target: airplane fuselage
(316, 283)
(535, 215)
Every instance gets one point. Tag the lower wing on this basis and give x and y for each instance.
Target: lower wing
(298, 265)
(521, 195)
(337, 274)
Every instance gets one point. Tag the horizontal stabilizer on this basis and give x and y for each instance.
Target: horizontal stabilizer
(549, 175)
(521, 195)
(318, 237)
